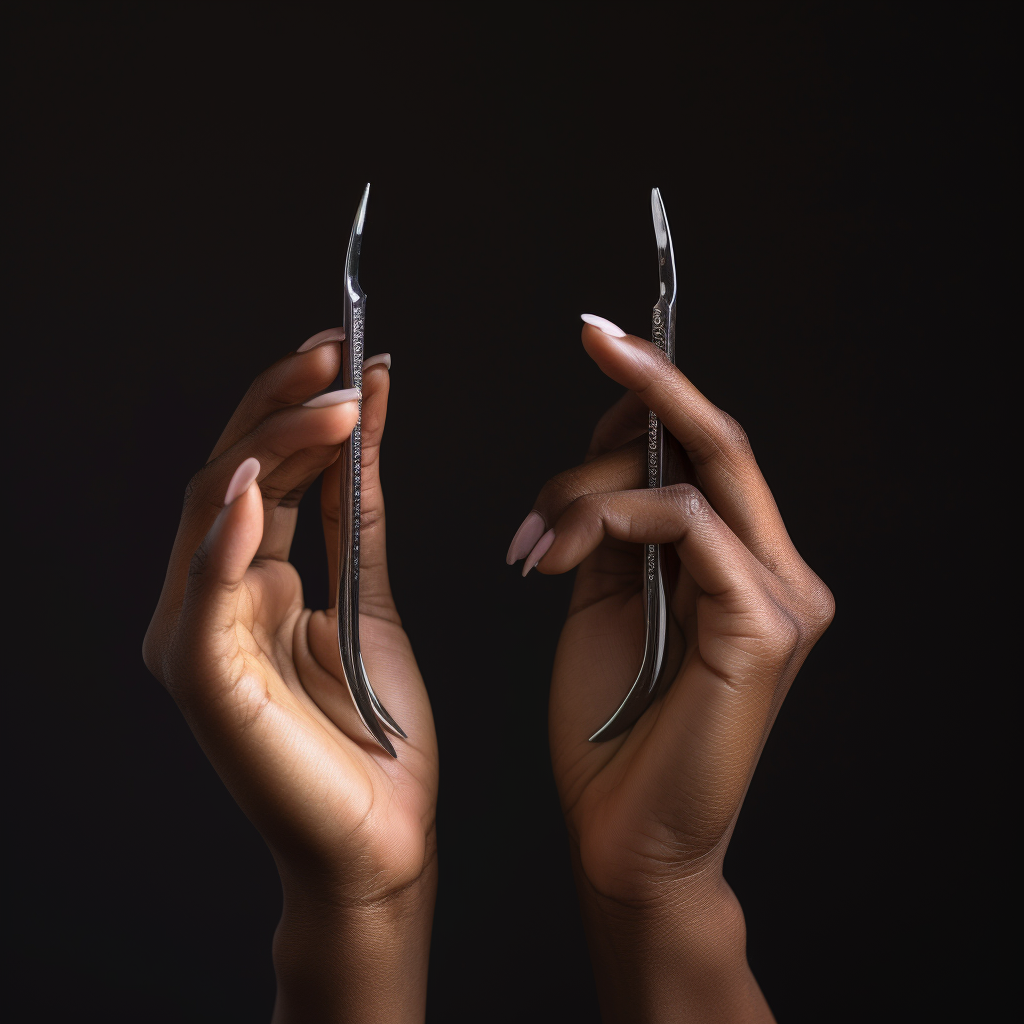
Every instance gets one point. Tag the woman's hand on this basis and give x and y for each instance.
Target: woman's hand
(259, 679)
(650, 812)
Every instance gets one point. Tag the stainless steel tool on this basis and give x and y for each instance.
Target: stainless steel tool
(371, 711)
(661, 659)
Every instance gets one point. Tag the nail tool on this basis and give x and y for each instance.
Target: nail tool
(661, 659)
(370, 709)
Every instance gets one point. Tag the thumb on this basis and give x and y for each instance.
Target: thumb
(216, 572)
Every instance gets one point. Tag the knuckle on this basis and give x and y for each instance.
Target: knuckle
(787, 635)
(689, 500)
(809, 607)
(733, 434)
(781, 632)
(818, 606)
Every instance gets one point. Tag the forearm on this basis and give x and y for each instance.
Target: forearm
(680, 960)
(337, 963)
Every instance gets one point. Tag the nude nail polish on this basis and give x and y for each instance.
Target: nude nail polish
(383, 357)
(526, 537)
(241, 479)
(332, 334)
(539, 551)
(605, 326)
(332, 398)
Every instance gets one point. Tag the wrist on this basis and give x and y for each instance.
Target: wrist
(339, 958)
(678, 957)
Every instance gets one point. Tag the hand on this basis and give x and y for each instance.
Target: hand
(650, 812)
(258, 677)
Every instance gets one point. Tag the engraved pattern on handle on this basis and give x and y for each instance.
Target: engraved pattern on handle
(358, 323)
(655, 454)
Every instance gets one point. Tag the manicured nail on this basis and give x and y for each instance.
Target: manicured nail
(243, 477)
(526, 536)
(383, 357)
(603, 325)
(539, 551)
(334, 334)
(332, 398)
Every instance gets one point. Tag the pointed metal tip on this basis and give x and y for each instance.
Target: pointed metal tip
(660, 220)
(355, 241)
(382, 712)
(390, 724)
(604, 733)
(383, 740)
(357, 227)
(666, 257)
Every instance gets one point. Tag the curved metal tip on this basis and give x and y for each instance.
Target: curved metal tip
(357, 226)
(666, 255)
(660, 220)
(355, 242)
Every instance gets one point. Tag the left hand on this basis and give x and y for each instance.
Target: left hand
(258, 676)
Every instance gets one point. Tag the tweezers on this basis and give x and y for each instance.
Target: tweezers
(661, 659)
(350, 375)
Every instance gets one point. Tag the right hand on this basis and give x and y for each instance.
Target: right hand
(651, 811)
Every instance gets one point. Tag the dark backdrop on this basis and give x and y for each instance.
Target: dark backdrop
(187, 178)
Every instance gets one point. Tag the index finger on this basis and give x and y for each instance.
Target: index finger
(291, 380)
(718, 448)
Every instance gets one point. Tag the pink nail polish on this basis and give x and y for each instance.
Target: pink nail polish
(242, 478)
(526, 536)
(383, 357)
(606, 326)
(539, 551)
(332, 398)
(333, 334)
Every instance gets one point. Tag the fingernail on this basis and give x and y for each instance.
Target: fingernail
(526, 536)
(539, 551)
(243, 477)
(383, 357)
(334, 334)
(332, 398)
(603, 325)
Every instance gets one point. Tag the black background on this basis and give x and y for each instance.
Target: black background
(187, 178)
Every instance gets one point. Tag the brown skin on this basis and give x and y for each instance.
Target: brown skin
(257, 676)
(650, 813)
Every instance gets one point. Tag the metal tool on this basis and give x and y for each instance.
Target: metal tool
(660, 663)
(370, 709)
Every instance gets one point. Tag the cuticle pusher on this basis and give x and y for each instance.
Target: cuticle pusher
(661, 659)
(350, 375)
